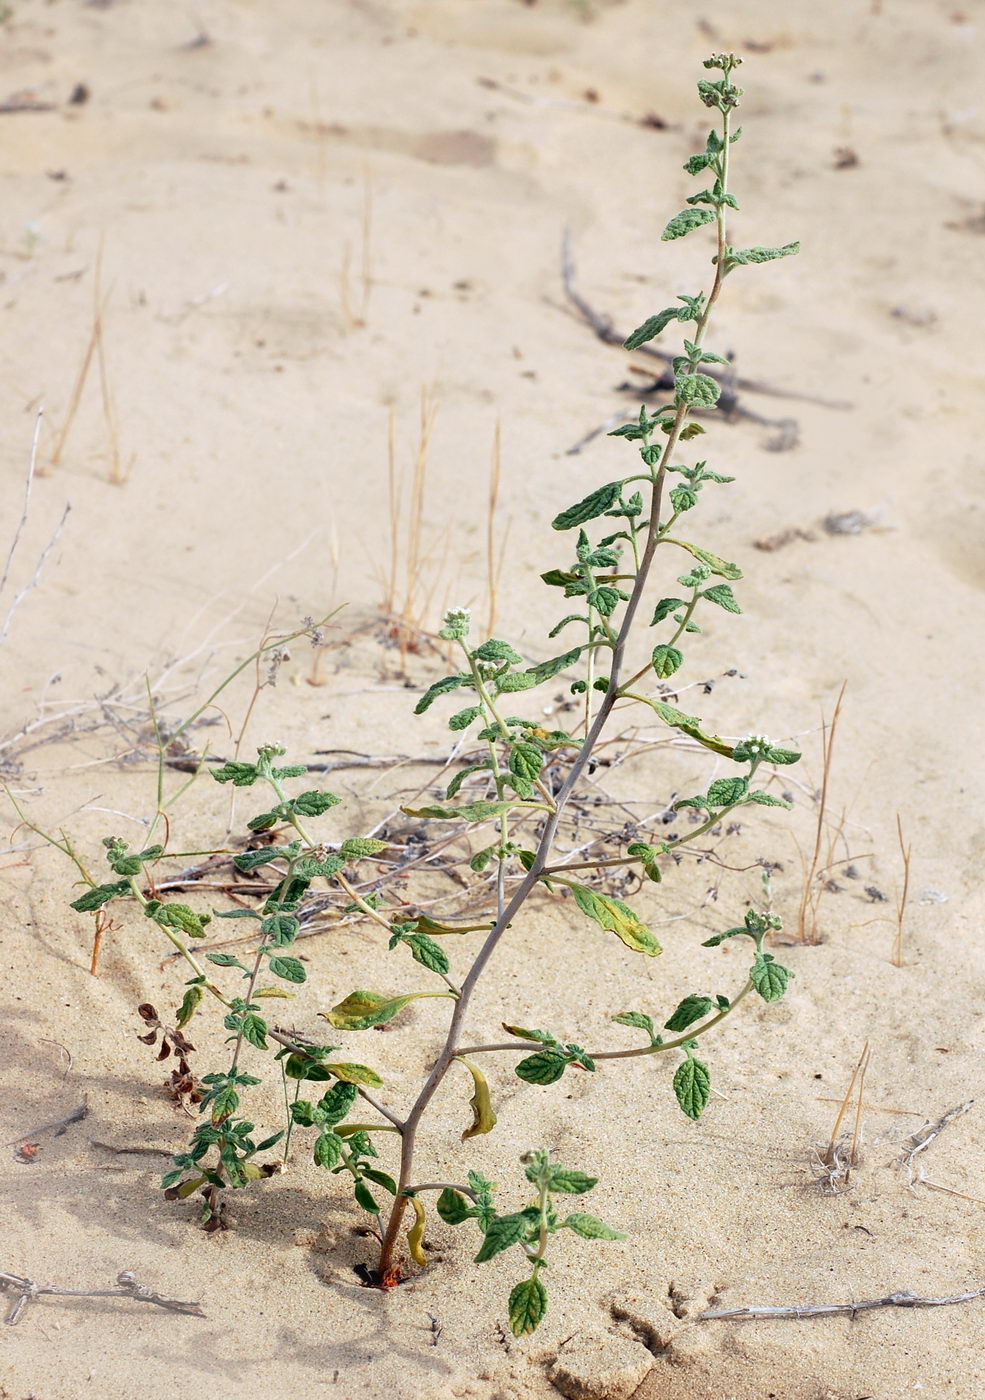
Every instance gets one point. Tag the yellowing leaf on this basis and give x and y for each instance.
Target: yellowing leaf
(617, 917)
(355, 1074)
(416, 1234)
(483, 1117)
(360, 1010)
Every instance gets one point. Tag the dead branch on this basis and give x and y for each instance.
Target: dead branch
(902, 1299)
(923, 1137)
(76, 1116)
(128, 1287)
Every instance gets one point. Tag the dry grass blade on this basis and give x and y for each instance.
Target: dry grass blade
(906, 850)
(834, 1163)
(813, 891)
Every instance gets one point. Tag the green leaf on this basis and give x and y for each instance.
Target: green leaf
(239, 774)
(335, 1104)
(639, 1019)
(312, 804)
(616, 917)
(291, 969)
(226, 960)
(469, 812)
(189, 1002)
(366, 1198)
(311, 867)
(251, 860)
(605, 599)
(439, 688)
(722, 594)
(651, 327)
(178, 916)
(685, 222)
(355, 1074)
(516, 680)
(545, 670)
(766, 799)
(546, 1067)
(280, 929)
(692, 1085)
(724, 791)
(782, 756)
(495, 650)
(691, 1009)
(453, 1208)
(358, 846)
(716, 565)
(464, 718)
(737, 257)
(254, 1029)
(360, 1010)
(526, 760)
(483, 1115)
(328, 1150)
(100, 895)
(428, 953)
(379, 1178)
(527, 1306)
(649, 855)
(683, 498)
(718, 938)
(293, 770)
(264, 822)
(698, 389)
(592, 506)
(666, 660)
(571, 1183)
(769, 978)
(505, 1231)
(664, 608)
(591, 1228)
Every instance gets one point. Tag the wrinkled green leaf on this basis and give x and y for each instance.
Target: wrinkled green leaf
(291, 969)
(692, 1085)
(527, 1306)
(691, 1009)
(666, 660)
(591, 1228)
(100, 895)
(769, 978)
(722, 594)
(686, 222)
(439, 688)
(592, 506)
(700, 390)
(505, 1231)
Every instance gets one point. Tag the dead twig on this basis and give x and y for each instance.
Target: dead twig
(128, 1287)
(76, 1116)
(902, 1299)
(923, 1137)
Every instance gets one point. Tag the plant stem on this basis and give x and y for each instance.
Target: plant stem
(539, 864)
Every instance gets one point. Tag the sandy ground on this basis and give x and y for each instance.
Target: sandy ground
(298, 226)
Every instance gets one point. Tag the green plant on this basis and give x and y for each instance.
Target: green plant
(525, 775)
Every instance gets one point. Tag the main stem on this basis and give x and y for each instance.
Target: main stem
(506, 916)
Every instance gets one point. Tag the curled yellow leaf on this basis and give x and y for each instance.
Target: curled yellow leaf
(416, 1234)
(483, 1117)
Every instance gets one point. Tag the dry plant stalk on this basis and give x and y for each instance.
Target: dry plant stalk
(813, 891)
(906, 850)
(834, 1165)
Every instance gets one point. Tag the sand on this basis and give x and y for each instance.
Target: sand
(300, 225)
